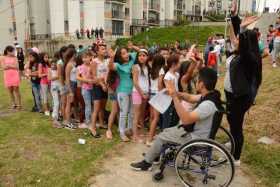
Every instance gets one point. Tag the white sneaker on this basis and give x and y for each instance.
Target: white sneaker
(47, 113)
(237, 163)
(274, 65)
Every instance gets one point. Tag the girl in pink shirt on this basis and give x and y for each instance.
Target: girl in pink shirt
(11, 76)
(44, 82)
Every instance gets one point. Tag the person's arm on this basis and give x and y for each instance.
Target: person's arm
(93, 68)
(80, 77)
(135, 74)
(111, 65)
(191, 98)
(67, 74)
(232, 36)
(40, 71)
(185, 116)
(160, 82)
(59, 73)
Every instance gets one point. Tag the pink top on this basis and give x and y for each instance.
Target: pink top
(11, 76)
(44, 80)
(86, 73)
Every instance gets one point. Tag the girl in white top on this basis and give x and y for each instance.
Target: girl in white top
(99, 69)
(156, 80)
(172, 76)
(140, 94)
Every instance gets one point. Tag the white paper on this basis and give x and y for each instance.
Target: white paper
(161, 101)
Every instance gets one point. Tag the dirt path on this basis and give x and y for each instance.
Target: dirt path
(117, 173)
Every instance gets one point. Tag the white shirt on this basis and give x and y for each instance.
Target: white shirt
(169, 76)
(154, 83)
(227, 83)
(101, 68)
(143, 79)
(218, 49)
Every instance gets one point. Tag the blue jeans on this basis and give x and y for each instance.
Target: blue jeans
(87, 95)
(55, 98)
(37, 97)
(125, 103)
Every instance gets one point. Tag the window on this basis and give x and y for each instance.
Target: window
(117, 27)
(126, 11)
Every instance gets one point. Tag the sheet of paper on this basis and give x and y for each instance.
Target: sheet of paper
(161, 101)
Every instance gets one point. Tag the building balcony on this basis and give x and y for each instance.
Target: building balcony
(116, 1)
(118, 15)
(154, 7)
(144, 22)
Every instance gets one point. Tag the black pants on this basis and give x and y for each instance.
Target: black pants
(237, 107)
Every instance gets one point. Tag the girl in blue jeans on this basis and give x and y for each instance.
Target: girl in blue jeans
(123, 65)
(84, 75)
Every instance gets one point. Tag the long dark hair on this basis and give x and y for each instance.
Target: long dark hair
(69, 54)
(184, 68)
(112, 77)
(42, 61)
(172, 60)
(36, 59)
(118, 55)
(158, 63)
(250, 56)
(141, 65)
(10, 49)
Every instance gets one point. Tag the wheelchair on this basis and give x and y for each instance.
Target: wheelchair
(201, 162)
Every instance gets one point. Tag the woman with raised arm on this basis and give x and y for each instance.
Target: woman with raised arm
(243, 77)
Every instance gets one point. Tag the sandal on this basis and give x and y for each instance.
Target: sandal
(95, 135)
(125, 138)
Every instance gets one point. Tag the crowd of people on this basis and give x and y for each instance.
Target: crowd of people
(94, 86)
(90, 33)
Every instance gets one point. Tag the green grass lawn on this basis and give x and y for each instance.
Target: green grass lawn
(32, 152)
(169, 35)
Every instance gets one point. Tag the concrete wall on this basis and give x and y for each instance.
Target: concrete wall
(7, 37)
(137, 9)
(39, 16)
(73, 16)
(56, 17)
(94, 13)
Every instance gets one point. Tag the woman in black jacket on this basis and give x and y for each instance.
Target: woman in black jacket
(243, 78)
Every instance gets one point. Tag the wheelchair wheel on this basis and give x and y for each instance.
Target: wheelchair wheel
(204, 162)
(224, 137)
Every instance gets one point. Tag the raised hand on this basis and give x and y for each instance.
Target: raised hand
(248, 20)
(234, 8)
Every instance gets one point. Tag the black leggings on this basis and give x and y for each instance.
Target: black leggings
(237, 107)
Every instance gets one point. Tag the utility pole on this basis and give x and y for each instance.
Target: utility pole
(13, 19)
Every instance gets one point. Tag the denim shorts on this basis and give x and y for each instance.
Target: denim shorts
(73, 86)
(113, 96)
(98, 93)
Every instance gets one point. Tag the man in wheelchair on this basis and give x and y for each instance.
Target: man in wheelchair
(199, 121)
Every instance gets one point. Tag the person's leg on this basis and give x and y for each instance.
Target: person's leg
(17, 97)
(136, 119)
(81, 104)
(36, 92)
(101, 113)
(275, 52)
(96, 110)
(124, 104)
(237, 108)
(142, 117)
(12, 97)
(153, 123)
(112, 117)
(44, 94)
(169, 135)
(55, 97)
(87, 100)
(69, 100)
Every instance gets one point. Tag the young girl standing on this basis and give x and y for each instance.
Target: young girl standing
(112, 82)
(44, 82)
(170, 117)
(99, 71)
(11, 76)
(55, 86)
(84, 75)
(124, 62)
(70, 63)
(156, 80)
(140, 94)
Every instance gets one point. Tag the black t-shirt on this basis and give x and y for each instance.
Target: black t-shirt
(34, 67)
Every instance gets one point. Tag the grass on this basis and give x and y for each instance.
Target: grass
(163, 36)
(33, 153)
